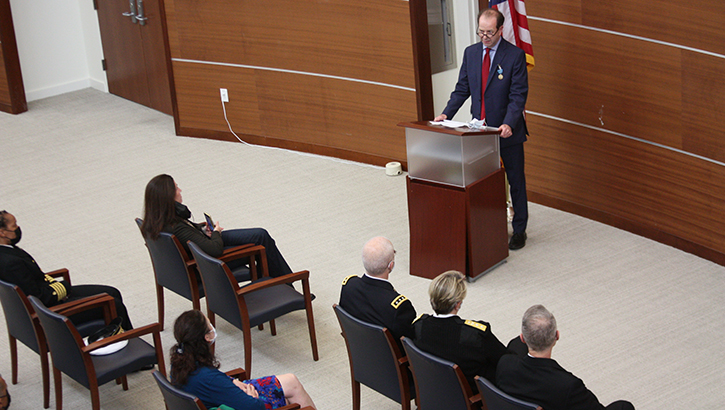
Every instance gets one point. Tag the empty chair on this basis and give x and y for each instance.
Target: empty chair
(439, 384)
(71, 356)
(261, 301)
(23, 325)
(495, 399)
(175, 270)
(375, 360)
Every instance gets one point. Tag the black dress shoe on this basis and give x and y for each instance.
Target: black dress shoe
(518, 241)
(147, 367)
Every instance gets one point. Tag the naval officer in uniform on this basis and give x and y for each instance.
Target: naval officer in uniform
(372, 298)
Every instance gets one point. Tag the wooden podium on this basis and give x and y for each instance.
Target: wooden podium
(456, 200)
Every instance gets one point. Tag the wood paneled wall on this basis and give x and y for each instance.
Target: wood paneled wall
(331, 77)
(625, 107)
(636, 139)
(12, 92)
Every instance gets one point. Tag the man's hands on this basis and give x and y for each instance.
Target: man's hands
(441, 118)
(505, 131)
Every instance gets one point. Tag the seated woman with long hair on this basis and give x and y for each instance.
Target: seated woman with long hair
(194, 369)
(165, 212)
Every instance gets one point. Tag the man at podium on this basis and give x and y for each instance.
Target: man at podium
(504, 98)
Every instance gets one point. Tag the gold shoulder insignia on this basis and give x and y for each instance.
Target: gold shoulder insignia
(344, 281)
(419, 316)
(398, 301)
(479, 326)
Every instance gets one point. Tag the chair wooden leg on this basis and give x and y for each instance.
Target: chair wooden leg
(247, 351)
(13, 358)
(44, 369)
(124, 382)
(310, 319)
(160, 304)
(58, 382)
(273, 327)
(355, 395)
(95, 395)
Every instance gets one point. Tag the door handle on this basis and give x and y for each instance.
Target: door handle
(139, 15)
(132, 11)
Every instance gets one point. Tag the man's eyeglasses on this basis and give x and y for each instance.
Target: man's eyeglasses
(487, 33)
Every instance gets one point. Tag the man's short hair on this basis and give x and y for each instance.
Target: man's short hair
(446, 290)
(539, 328)
(377, 254)
(491, 13)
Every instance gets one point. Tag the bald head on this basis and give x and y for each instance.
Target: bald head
(378, 257)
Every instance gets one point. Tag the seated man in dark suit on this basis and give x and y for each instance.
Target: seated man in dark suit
(538, 378)
(372, 298)
(19, 268)
(469, 344)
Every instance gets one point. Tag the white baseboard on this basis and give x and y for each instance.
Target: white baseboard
(65, 88)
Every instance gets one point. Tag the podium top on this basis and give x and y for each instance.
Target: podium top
(460, 131)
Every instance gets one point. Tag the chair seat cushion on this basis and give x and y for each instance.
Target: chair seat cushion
(267, 304)
(135, 355)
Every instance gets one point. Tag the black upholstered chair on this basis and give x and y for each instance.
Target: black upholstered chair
(177, 399)
(23, 325)
(439, 384)
(71, 356)
(261, 301)
(375, 360)
(175, 270)
(495, 399)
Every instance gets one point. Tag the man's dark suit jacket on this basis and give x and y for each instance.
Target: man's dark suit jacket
(376, 301)
(543, 382)
(505, 98)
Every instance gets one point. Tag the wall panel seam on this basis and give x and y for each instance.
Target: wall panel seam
(617, 33)
(619, 134)
(281, 70)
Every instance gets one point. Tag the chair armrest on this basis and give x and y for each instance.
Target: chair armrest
(403, 361)
(60, 273)
(102, 300)
(153, 328)
(292, 406)
(475, 399)
(240, 252)
(289, 278)
(237, 373)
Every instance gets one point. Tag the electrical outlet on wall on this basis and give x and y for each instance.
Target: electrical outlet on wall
(224, 94)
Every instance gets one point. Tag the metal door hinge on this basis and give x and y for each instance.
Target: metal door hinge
(103, 64)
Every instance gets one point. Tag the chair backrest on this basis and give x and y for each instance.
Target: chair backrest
(64, 343)
(177, 399)
(18, 315)
(439, 384)
(169, 260)
(495, 399)
(220, 285)
(373, 355)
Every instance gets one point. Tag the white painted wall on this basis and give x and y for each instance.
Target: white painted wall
(59, 46)
(464, 19)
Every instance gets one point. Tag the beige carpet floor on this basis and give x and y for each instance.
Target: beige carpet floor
(639, 320)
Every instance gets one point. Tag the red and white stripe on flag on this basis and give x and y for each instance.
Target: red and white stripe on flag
(516, 26)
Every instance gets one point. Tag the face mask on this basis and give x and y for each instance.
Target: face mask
(213, 339)
(182, 211)
(18, 234)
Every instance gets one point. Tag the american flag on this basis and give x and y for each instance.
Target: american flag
(516, 26)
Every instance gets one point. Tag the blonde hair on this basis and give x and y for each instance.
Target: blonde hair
(446, 290)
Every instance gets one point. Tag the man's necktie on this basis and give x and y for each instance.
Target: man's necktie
(484, 78)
